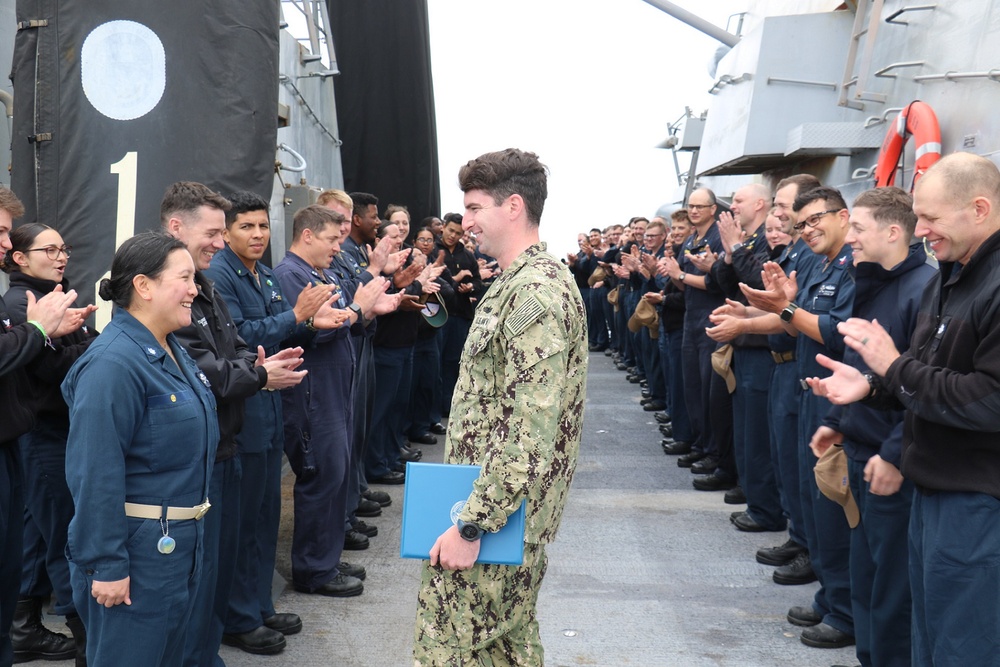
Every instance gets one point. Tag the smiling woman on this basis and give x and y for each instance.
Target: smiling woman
(143, 430)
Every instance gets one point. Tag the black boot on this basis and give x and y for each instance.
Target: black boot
(75, 625)
(32, 640)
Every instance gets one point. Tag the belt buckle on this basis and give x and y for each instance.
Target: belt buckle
(202, 509)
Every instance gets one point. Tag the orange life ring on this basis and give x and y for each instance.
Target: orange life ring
(917, 119)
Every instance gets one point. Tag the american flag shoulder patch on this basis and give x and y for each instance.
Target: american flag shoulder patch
(525, 315)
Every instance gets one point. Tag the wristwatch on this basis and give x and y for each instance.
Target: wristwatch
(356, 309)
(786, 314)
(311, 326)
(872, 387)
(470, 532)
(736, 246)
(682, 276)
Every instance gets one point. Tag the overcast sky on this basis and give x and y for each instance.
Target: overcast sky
(589, 85)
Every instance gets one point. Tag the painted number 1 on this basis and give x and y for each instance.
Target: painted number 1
(126, 169)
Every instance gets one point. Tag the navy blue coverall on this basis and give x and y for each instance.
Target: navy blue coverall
(142, 430)
(318, 432)
(262, 317)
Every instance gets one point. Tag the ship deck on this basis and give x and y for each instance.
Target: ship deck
(645, 570)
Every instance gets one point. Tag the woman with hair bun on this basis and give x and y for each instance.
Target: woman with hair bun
(36, 263)
(142, 440)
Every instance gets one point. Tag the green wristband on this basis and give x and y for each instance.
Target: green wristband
(40, 328)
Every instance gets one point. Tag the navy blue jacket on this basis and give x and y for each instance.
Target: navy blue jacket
(324, 396)
(142, 430)
(893, 298)
(262, 317)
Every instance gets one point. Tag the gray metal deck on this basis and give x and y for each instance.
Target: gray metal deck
(646, 571)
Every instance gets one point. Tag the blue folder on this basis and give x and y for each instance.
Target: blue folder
(432, 499)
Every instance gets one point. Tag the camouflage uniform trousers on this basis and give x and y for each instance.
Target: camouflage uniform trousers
(480, 617)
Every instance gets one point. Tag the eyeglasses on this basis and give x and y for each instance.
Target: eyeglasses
(424, 240)
(699, 207)
(52, 252)
(813, 219)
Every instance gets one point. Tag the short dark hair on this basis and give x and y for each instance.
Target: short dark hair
(244, 201)
(383, 226)
(452, 217)
(505, 173)
(363, 200)
(21, 239)
(316, 218)
(804, 182)
(144, 254)
(454, 220)
(186, 197)
(680, 215)
(830, 195)
(889, 205)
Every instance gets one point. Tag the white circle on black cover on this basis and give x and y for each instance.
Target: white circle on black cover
(123, 69)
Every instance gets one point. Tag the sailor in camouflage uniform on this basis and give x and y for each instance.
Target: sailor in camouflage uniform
(517, 411)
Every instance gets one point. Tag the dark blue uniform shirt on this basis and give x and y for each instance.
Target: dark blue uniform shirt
(827, 292)
(142, 430)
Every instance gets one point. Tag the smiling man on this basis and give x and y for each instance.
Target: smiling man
(708, 402)
(263, 317)
(822, 300)
(947, 382)
(317, 415)
(196, 215)
(518, 412)
(890, 276)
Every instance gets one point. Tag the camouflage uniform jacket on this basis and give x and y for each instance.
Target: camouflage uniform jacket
(517, 409)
